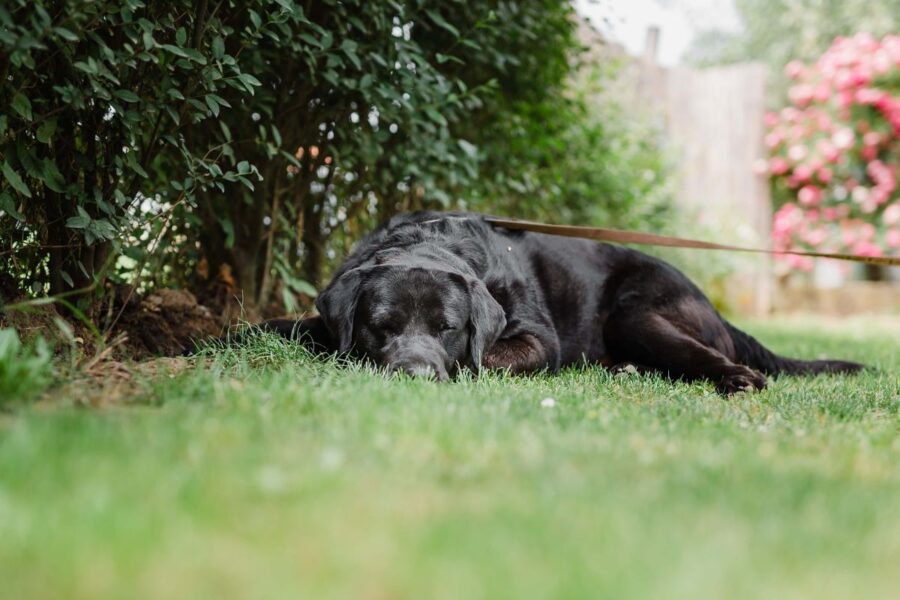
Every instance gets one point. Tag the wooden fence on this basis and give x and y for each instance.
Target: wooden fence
(711, 120)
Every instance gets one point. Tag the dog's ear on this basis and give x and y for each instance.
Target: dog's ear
(337, 306)
(486, 321)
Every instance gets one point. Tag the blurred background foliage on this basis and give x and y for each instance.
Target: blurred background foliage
(238, 149)
(778, 31)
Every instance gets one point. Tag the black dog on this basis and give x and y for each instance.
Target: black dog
(428, 293)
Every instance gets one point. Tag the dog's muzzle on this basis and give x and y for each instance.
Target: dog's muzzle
(419, 356)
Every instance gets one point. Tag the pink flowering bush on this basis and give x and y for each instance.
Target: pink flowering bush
(834, 152)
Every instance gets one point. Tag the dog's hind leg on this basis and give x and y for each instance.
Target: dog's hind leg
(647, 338)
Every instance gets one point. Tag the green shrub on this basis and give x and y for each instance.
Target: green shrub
(96, 98)
(25, 370)
(170, 142)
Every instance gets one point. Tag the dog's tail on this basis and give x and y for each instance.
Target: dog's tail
(750, 352)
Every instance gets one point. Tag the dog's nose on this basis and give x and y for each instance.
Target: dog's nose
(420, 369)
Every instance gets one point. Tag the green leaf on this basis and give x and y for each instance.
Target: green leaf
(127, 95)
(311, 40)
(195, 56)
(46, 130)
(249, 81)
(175, 50)
(225, 131)
(65, 34)
(442, 22)
(286, 4)
(255, 19)
(218, 47)
(14, 180)
(468, 147)
(212, 104)
(147, 39)
(22, 105)
(228, 228)
(81, 221)
(52, 177)
(8, 205)
(349, 49)
(435, 116)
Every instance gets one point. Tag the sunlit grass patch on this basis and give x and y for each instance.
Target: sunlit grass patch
(264, 471)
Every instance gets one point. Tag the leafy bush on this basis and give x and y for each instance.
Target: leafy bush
(239, 148)
(96, 100)
(834, 152)
(25, 370)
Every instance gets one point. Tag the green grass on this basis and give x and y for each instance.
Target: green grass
(264, 474)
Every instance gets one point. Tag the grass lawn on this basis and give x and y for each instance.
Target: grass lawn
(264, 474)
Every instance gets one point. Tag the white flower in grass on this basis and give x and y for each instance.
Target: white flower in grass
(548, 403)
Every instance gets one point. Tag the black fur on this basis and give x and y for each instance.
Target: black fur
(428, 293)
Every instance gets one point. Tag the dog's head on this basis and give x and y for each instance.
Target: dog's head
(422, 320)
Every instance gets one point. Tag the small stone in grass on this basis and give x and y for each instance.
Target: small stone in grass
(548, 403)
(627, 369)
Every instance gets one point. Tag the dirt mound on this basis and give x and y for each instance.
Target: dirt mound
(166, 322)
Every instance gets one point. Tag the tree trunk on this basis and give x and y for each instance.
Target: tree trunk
(313, 242)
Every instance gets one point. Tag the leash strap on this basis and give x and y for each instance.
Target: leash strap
(621, 236)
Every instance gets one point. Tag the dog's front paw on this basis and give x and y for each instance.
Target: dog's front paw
(743, 379)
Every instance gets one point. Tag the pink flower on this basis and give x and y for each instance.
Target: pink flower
(790, 114)
(837, 147)
(794, 69)
(774, 139)
(801, 95)
(798, 152)
(868, 95)
(823, 122)
(778, 166)
(866, 248)
(844, 81)
(880, 195)
(872, 138)
(809, 195)
(803, 173)
(816, 237)
(891, 215)
(892, 237)
(881, 61)
(801, 263)
(828, 151)
(843, 138)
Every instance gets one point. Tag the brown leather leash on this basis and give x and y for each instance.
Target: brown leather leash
(621, 236)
